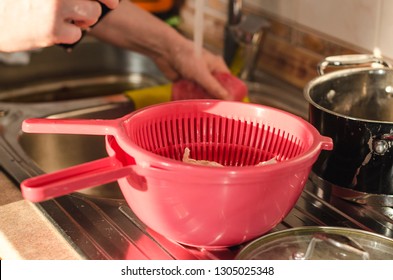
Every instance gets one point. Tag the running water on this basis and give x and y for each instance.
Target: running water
(198, 26)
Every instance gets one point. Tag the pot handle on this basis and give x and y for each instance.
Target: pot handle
(72, 126)
(326, 143)
(66, 181)
(350, 60)
(382, 144)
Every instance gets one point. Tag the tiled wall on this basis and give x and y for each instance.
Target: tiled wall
(305, 31)
(363, 23)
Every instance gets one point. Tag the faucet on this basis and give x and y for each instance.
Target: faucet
(233, 18)
(246, 32)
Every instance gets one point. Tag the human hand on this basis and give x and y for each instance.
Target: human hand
(183, 62)
(187, 89)
(132, 28)
(29, 24)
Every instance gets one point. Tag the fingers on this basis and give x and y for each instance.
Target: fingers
(85, 13)
(43, 23)
(204, 77)
(111, 4)
(166, 69)
(77, 15)
(213, 87)
(216, 63)
(181, 61)
(72, 17)
(82, 13)
(66, 33)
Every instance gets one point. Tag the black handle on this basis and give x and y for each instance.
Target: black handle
(105, 10)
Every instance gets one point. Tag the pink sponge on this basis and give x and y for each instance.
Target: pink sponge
(186, 89)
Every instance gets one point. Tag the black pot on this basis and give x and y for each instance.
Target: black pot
(355, 108)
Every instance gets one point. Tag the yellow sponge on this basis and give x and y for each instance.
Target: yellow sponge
(150, 96)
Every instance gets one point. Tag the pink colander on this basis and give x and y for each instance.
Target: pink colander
(195, 205)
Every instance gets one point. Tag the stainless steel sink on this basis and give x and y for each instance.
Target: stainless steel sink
(273, 92)
(91, 69)
(88, 83)
(52, 152)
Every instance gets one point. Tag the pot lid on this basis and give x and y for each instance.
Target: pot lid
(319, 243)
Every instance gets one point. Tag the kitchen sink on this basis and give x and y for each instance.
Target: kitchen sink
(272, 92)
(92, 69)
(51, 152)
(90, 83)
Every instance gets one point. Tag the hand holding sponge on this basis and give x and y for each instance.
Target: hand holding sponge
(186, 89)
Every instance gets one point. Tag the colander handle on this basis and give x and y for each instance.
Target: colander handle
(74, 178)
(72, 126)
(326, 143)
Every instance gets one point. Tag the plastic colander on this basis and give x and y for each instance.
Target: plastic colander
(191, 204)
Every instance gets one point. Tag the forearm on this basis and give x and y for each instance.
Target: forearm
(133, 28)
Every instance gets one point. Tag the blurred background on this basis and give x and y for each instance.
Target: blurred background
(303, 32)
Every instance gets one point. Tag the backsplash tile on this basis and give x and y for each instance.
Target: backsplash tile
(353, 21)
(385, 34)
(288, 9)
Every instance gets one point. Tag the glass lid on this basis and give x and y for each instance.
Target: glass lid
(319, 243)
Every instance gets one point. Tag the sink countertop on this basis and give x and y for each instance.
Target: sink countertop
(25, 233)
